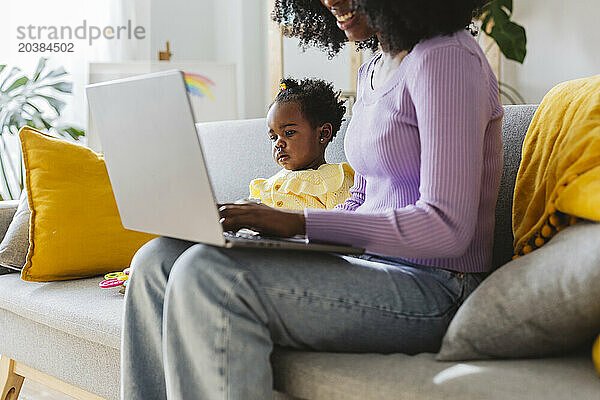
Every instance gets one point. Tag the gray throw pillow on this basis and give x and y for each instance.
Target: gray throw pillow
(541, 304)
(14, 246)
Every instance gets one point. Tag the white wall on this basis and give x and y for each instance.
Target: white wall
(241, 37)
(44, 13)
(563, 44)
(313, 63)
(217, 30)
(189, 26)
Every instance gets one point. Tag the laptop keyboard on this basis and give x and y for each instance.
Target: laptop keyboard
(247, 234)
(243, 234)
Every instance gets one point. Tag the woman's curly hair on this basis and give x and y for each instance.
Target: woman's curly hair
(401, 24)
(318, 101)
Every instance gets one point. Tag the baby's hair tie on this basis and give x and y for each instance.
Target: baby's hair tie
(282, 86)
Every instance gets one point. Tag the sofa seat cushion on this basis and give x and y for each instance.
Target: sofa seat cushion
(329, 376)
(78, 362)
(78, 307)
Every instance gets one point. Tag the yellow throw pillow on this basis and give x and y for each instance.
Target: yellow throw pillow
(75, 230)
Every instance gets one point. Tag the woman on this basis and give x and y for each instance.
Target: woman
(424, 140)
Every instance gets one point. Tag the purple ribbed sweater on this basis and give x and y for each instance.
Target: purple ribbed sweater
(427, 151)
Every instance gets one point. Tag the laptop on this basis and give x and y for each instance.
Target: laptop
(156, 165)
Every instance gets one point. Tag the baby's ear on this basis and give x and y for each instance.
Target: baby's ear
(326, 132)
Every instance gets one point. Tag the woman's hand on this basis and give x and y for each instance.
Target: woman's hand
(266, 220)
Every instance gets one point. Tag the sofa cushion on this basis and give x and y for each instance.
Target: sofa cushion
(79, 307)
(75, 229)
(71, 330)
(14, 245)
(543, 303)
(514, 126)
(329, 376)
(8, 209)
(78, 362)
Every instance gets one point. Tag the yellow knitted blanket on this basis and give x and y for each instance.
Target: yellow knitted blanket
(324, 187)
(559, 177)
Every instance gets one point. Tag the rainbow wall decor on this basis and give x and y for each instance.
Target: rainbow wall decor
(198, 85)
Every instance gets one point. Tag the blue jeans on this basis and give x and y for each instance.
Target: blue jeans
(201, 322)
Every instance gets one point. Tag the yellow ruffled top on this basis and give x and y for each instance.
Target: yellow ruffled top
(324, 187)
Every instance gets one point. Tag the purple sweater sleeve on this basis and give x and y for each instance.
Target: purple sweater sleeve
(448, 90)
(357, 195)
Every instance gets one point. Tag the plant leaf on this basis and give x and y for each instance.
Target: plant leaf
(3, 117)
(2, 66)
(40, 66)
(499, 16)
(487, 18)
(17, 83)
(15, 120)
(47, 124)
(57, 72)
(5, 178)
(509, 36)
(55, 103)
(65, 87)
(30, 104)
(11, 73)
(38, 123)
(72, 131)
(508, 4)
(511, 39)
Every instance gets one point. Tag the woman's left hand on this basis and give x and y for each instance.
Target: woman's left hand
(261, 218)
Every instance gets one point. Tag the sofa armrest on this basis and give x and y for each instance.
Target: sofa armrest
(7, 211)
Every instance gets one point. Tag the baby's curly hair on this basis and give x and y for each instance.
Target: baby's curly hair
(401, 24)
(317, 99)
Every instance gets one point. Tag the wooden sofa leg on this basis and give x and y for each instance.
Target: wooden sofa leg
(10, 382)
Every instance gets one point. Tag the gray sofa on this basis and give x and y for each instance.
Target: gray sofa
(70, 331)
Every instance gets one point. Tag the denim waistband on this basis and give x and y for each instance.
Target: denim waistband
(402, 261)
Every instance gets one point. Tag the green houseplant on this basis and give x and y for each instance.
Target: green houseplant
(33, 101)
(508, 35)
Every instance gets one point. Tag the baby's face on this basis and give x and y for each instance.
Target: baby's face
(295, 144)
